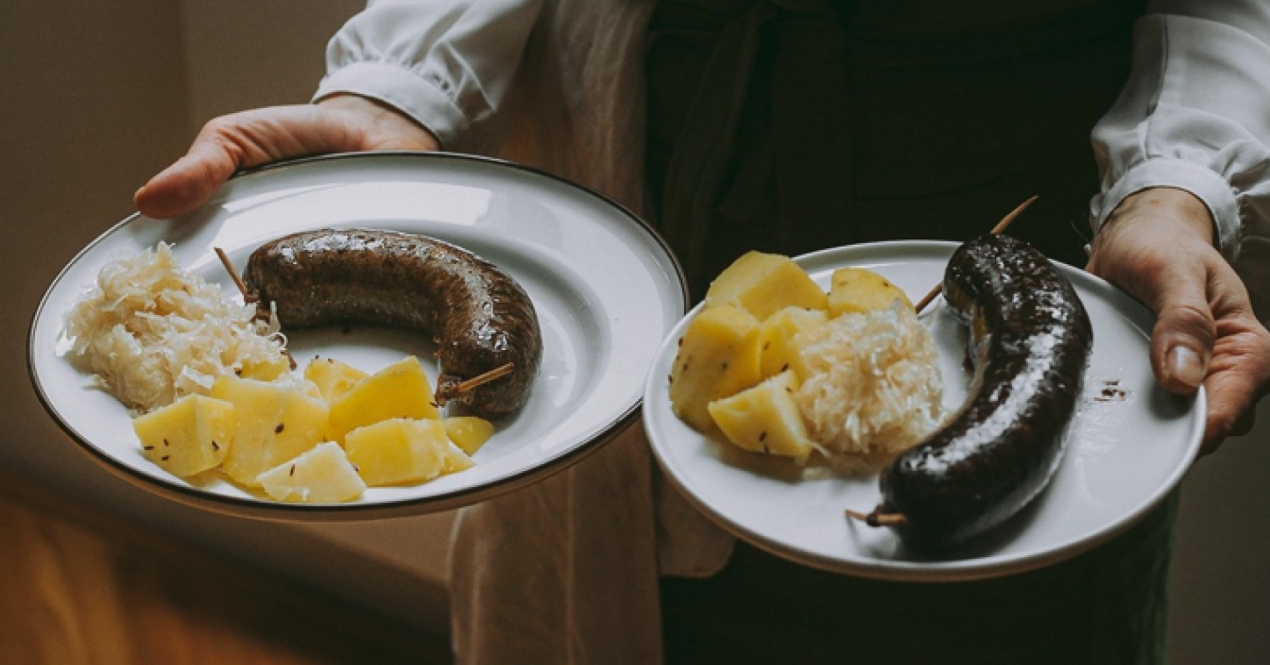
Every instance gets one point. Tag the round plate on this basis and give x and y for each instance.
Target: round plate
(606, 288)
(1130, 444)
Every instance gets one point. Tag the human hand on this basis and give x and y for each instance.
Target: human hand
(342, 123)
(1158, 247)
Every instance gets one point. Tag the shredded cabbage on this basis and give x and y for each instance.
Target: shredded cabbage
(874, 386)
(152, 332)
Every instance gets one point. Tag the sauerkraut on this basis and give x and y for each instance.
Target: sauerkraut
(152, 332)
(874, 386)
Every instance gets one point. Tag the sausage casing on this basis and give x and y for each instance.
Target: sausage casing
(479, 317)
(1030, 340)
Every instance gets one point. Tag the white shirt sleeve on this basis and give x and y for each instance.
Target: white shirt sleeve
(1195, 115)
(446, 63)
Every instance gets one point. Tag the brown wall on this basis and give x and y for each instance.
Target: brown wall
(94, 98)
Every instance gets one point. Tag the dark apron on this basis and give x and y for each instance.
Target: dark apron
(778, 125)
(794, 125)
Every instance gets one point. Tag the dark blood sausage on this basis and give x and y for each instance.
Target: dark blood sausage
(480, 318)
(1030, 340)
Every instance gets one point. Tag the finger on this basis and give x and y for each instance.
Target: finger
(1239, 378)
(1231, 409)
(242, 140)
(189, 182)
(1184, 333)
(1176, 291)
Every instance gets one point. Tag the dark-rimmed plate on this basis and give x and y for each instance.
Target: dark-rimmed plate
(606, 287)
(1130, 445)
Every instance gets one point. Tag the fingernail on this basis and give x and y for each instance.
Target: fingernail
(1185, 366)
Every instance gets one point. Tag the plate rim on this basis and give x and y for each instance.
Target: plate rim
(286, 511)
(956, 570)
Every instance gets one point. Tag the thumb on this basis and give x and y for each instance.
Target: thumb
(241, 140)
(1184, 333)
(189, 181)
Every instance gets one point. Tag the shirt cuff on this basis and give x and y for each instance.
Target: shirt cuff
(1207, 186)
(404, 90)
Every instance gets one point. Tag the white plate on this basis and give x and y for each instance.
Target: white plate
(606, 288)
(1124, 455)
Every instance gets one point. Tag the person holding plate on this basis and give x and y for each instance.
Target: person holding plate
(794, 125)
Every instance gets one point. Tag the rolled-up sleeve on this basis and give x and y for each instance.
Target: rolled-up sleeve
(1195, 115)
(446, 63)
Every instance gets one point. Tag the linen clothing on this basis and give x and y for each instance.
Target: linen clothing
(566, 571)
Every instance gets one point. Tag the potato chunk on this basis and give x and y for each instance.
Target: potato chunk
(718, 356)
(765, 419)
(857, 290)
(273, 423)
(332, 377)
(266, 370)
(456, 460)
(763, 284)
(781, 338)
(400, 390)
(469, 433)
(402, 450)
(321, 475)
(188, 436)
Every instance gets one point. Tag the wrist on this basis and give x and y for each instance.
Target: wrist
(383, 115)
(1176, 208)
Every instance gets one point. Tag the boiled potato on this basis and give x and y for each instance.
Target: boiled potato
(780, 340)
(765, 419)
(188, 436)
(402, 450)
(332, 377)
(763, 284)
(456, 460)
(273, 423)
(469, 433)
(266, 371)
(718, 356)
(322, 474)
(857, 290)
(400, 390)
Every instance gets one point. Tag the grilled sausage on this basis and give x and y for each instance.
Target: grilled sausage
(1030, 342)
(480, 318)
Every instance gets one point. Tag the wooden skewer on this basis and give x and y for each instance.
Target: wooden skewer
(481, 379)
(248, 296)
(446, 393)
(233, 274)
(878, 519)
(999, 228)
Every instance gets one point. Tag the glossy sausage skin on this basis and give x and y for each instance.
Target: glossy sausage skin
(479, 317)
(1030, 340)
